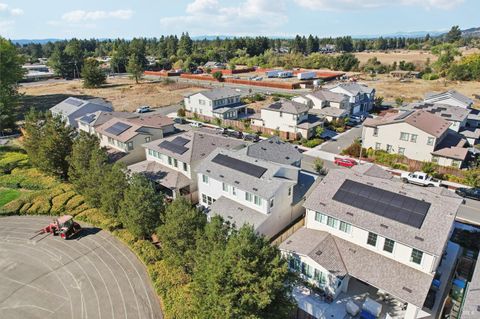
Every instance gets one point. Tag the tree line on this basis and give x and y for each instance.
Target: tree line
(203, 269)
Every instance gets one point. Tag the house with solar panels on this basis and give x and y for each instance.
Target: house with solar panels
(171, 162)
(450, 97)
(72, 108)
(222, 103)
(245, 187)
(417, 134)
(89, 122)
(123, 137)
(373, 244)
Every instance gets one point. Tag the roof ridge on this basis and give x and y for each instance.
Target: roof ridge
(339, 253)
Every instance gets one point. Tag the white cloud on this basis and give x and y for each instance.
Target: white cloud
(16, 12)
(211, 17)
(344, 5)
(81, 15)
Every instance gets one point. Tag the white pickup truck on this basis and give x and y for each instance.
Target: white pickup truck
(420, 178)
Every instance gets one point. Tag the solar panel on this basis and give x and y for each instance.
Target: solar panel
(446, 115)
(239, 165)
(118, 128)
(275, 106)
(403, 115)
(180, 141)
(172, 147)
(401, 208)
(87, 118)
(74, 102)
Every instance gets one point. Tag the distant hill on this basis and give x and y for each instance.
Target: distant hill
(472, 32)
(36, 41)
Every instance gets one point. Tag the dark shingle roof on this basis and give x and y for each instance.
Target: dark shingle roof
(275, 150)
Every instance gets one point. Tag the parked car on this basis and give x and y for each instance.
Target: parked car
(180, 120)
(352, 123)
(143, 109)
(420, 178)
(251, 137)
(473, 193)
(220, 130)
(235, 134)
(196, 124)
(345, 162)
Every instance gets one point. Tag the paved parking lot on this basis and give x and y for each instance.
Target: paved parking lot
(90, 276)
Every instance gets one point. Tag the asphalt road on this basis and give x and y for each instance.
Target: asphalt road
(91, 276)
(342, 141)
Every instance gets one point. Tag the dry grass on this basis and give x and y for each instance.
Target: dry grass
(123, 93)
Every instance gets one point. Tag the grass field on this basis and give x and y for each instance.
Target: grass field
(7, 195)
(122, 92)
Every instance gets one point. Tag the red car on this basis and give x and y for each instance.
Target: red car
(345, 162)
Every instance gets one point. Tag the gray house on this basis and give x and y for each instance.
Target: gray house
(72, 108)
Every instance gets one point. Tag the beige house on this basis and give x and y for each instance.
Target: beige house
(289, 118)
(223, 103)
(419, 135)
(123, 138)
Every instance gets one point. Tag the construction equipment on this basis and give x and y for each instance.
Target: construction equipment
(63, 226)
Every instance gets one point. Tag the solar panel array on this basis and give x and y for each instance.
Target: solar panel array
(400, 208)
(275, 106)
(118, 128)
(173, 147)
(403, 115)
(73, 102)
(87, 118)
(239, 165)
(180, 140)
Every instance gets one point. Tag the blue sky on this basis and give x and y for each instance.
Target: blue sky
(35, 19)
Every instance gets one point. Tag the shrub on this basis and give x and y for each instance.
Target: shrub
(313, 142)
(10, 160)
(59, 201)
(74, 202)
(403, 167)
(181, 112)
(147, 251)
(430, 76)
(429, 167)
(125, 236)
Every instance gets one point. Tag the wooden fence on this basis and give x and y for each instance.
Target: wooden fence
(288, 232)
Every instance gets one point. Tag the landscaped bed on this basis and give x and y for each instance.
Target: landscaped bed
(7, 195)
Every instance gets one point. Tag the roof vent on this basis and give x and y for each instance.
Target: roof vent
(287, 157)
(221, 176)
(403, 193)
(237, 182)
(369, 183)
(318, 252)
(289, 242)
(419, 238)
(323, 204)
(349, 213)
(384, 226)
(203, 154)
(230, 217)
(407, 289)
(240, 209)
(352, 250)
(263, 148)
(255, 189)
(208, 170)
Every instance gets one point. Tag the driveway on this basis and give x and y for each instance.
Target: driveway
(91, 276)
(469, 212)
(342, 141)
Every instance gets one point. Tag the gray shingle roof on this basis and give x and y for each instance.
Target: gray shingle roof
(341, 257)
(161, 174)
(471, 306)
(219, 93)
(236, 213)
(446, 111)
(287, 106)
(329, 111)
(275, 150)
(355, 88)
(265, 186)
(435, 97)
(326, 95)
(430, 237)
(200, 145)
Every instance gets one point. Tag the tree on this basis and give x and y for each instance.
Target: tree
(181, 225)
(446, 54)
(454, 34)
(141, 207)
(11, 72)
(345, 62)
(378, 101)
(399, 101)
(97, 168)
(318, 166)
(319, 131)
(135, 68)
(217, 75)
(112, 188)
(92, 75)
(429, 167)
(79, 159)
(60, 63)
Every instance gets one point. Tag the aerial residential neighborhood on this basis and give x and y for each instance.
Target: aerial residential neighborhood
(240, 159)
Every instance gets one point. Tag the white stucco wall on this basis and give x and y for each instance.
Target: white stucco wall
(282, 121)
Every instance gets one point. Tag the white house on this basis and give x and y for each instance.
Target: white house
(327, 104)
(456, 115)
(450, 97)
(288, 117)
(361, 225)
(72, 108)
(223, 103)
(171, 162)
(123, 138)
(361, 97)
(418, 135)
(248, 190)
(89, 122)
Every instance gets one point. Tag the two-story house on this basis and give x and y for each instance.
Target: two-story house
(223, 103)
(418, 135)
(123, 138)
(72, 108)
(450, 97)
(89, 122)
(325, 103)
(361, 97)
(250, 190)
(171, 162)
(289, 119)
(366, 234)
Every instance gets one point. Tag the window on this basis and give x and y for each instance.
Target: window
(345, 227)
(375, 131)
(413, 138)
(150, 152)
(401, 150)
(234, 191)
(201, 102)
(456, 163)
(130, 146)
(248, 196)
(185, 167)
(430, 140)
(205, 179)
(170, 160)
(281, 114)
(435, 159)
(389, 148)
(378, 146)
(110, 140)
(404, 136)
(416, 256)
(388, 245)
(207, 199)
(372, 239)
(225, 187)
(271, 202)
(332, 222)
(295, 263)
(257, 200)
(147, 139)
(322, 218)
(175, 162)
(204, 198)
(289, 191)
(307, 270)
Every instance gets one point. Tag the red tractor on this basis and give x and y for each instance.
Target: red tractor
(63, 226)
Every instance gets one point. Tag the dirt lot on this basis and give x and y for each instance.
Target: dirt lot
(123, 93)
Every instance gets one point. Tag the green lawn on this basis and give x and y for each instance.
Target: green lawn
(7, 195)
